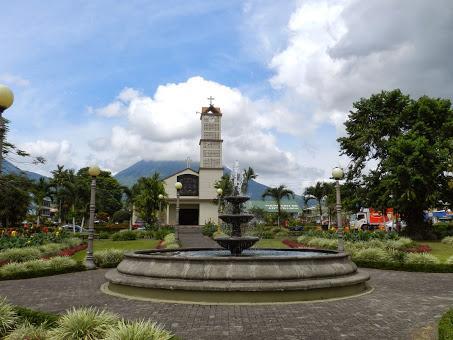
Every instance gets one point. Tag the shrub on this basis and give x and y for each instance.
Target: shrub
(160, 233)
(448, 240)
(172, 246)
(27, 331)
(121, 216)
(170, 238)
(108, 258)
(72, 242)
(35, 268)
(124, 235)
(20, 254)
(103, 235)
(209, 228)
(323, 243)
(282, 233)
(421, 258)
(371, 255)
(449, 260)
(8, 317)
(35, 317)
(83, 323)
(51, 249)
(138, 330)
(219, 234)
(443, 229)
(445, 331)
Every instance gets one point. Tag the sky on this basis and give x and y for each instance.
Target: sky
(111, 83)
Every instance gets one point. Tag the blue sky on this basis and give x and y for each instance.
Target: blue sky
(115, 82)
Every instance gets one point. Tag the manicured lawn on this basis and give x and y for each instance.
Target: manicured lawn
(109, 244)
(441, 250)
(272, 243)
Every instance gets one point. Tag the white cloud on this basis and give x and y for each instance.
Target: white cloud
(12, 79)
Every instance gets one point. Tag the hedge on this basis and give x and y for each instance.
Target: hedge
(446, 326)
(409, 267)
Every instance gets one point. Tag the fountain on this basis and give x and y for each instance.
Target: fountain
(235, 273)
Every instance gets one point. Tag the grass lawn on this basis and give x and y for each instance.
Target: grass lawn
(272, 243)
(441, 250)
(109, 244)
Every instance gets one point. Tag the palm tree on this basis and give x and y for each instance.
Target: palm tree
(40, 191)
(146, 196)
(59, 177)
(277, 194)
(225, 184)
(248, 175)
(318, 192)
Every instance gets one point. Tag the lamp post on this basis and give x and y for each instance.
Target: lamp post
(6, 100)
(337, 174)
(161, 197)
(219, 197)
(93, 171)
(178, 187)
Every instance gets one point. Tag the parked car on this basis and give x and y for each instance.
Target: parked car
(74, 228)
(297, 228)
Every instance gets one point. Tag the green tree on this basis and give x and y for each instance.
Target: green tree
(225, 184)
(145, 195)
(319, 191)
(248, 175)
(15, 199)
(278, 194)
(408, 144)
(40, 190)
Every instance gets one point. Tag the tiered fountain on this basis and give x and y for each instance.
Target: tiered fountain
(235, 274)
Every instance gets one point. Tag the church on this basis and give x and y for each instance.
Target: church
(197, 196)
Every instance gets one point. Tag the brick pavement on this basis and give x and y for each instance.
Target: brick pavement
(401, 303)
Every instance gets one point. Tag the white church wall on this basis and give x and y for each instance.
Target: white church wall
(207, 180)
(208, 212)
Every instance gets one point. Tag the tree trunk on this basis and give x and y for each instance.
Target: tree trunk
(278, 213)
(416, 228)
(320, 212)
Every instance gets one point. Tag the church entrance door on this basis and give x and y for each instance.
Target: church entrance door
(188, 216)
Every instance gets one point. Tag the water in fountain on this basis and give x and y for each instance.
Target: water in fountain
(234, 216)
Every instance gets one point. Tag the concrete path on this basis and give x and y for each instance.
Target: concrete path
(191, 237)
(402, 304)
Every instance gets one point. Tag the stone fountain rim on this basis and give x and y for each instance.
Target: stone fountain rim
(149, 254)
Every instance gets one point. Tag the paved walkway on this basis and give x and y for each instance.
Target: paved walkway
(401, 304)
(191, 237)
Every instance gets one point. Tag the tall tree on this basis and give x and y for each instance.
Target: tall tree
(225, 184)
(145, 195)
(247, 175)
(319, 191)
(408, 144)
(15, 199)
(40, 190)
(278, 194)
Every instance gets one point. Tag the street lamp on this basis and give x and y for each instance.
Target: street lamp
(161, 197)
(178, 187)
(219, 197)
(6, 100)
(93, 171)
(338, 174)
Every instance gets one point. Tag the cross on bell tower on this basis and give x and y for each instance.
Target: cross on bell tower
(211, 98)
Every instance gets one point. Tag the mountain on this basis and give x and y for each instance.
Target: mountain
(9, 168)
(130, 175)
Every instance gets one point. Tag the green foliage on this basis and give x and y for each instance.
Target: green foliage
(138, 330)
(121, 216)
(28, 331)
(323, 243)
(277, 194)
(170, 238)
(24, 240)
(209, 228)
(124, 235)
(15, 199)
(225, 184)
(160, 232)
(449, 260)
(20, 254)
(36, 268)
(318, 192)
(443, 229)
(414, 258)
(371, 255)
(146, 197)
(35, 317)
(108, 258)
(103, 235)
(247, 176)
(410, 144)
(83, 323)
(8, 317)
(445, 328)
(448, 240)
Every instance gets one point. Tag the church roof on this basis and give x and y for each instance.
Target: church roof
(211, 109)
(180, 171)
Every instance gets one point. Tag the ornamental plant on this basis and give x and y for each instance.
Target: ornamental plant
(27, 331)
(138, 330)
(108, 258)
(423, 258)
(8, 317)
(84, 323)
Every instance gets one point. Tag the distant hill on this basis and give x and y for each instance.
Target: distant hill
(9, 168)
(131, 174)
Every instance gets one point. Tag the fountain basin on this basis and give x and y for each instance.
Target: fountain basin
(236, 219)
(212, 277)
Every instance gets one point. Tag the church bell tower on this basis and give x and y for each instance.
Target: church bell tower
(211, 167)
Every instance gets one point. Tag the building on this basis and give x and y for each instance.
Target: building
(198, 195)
